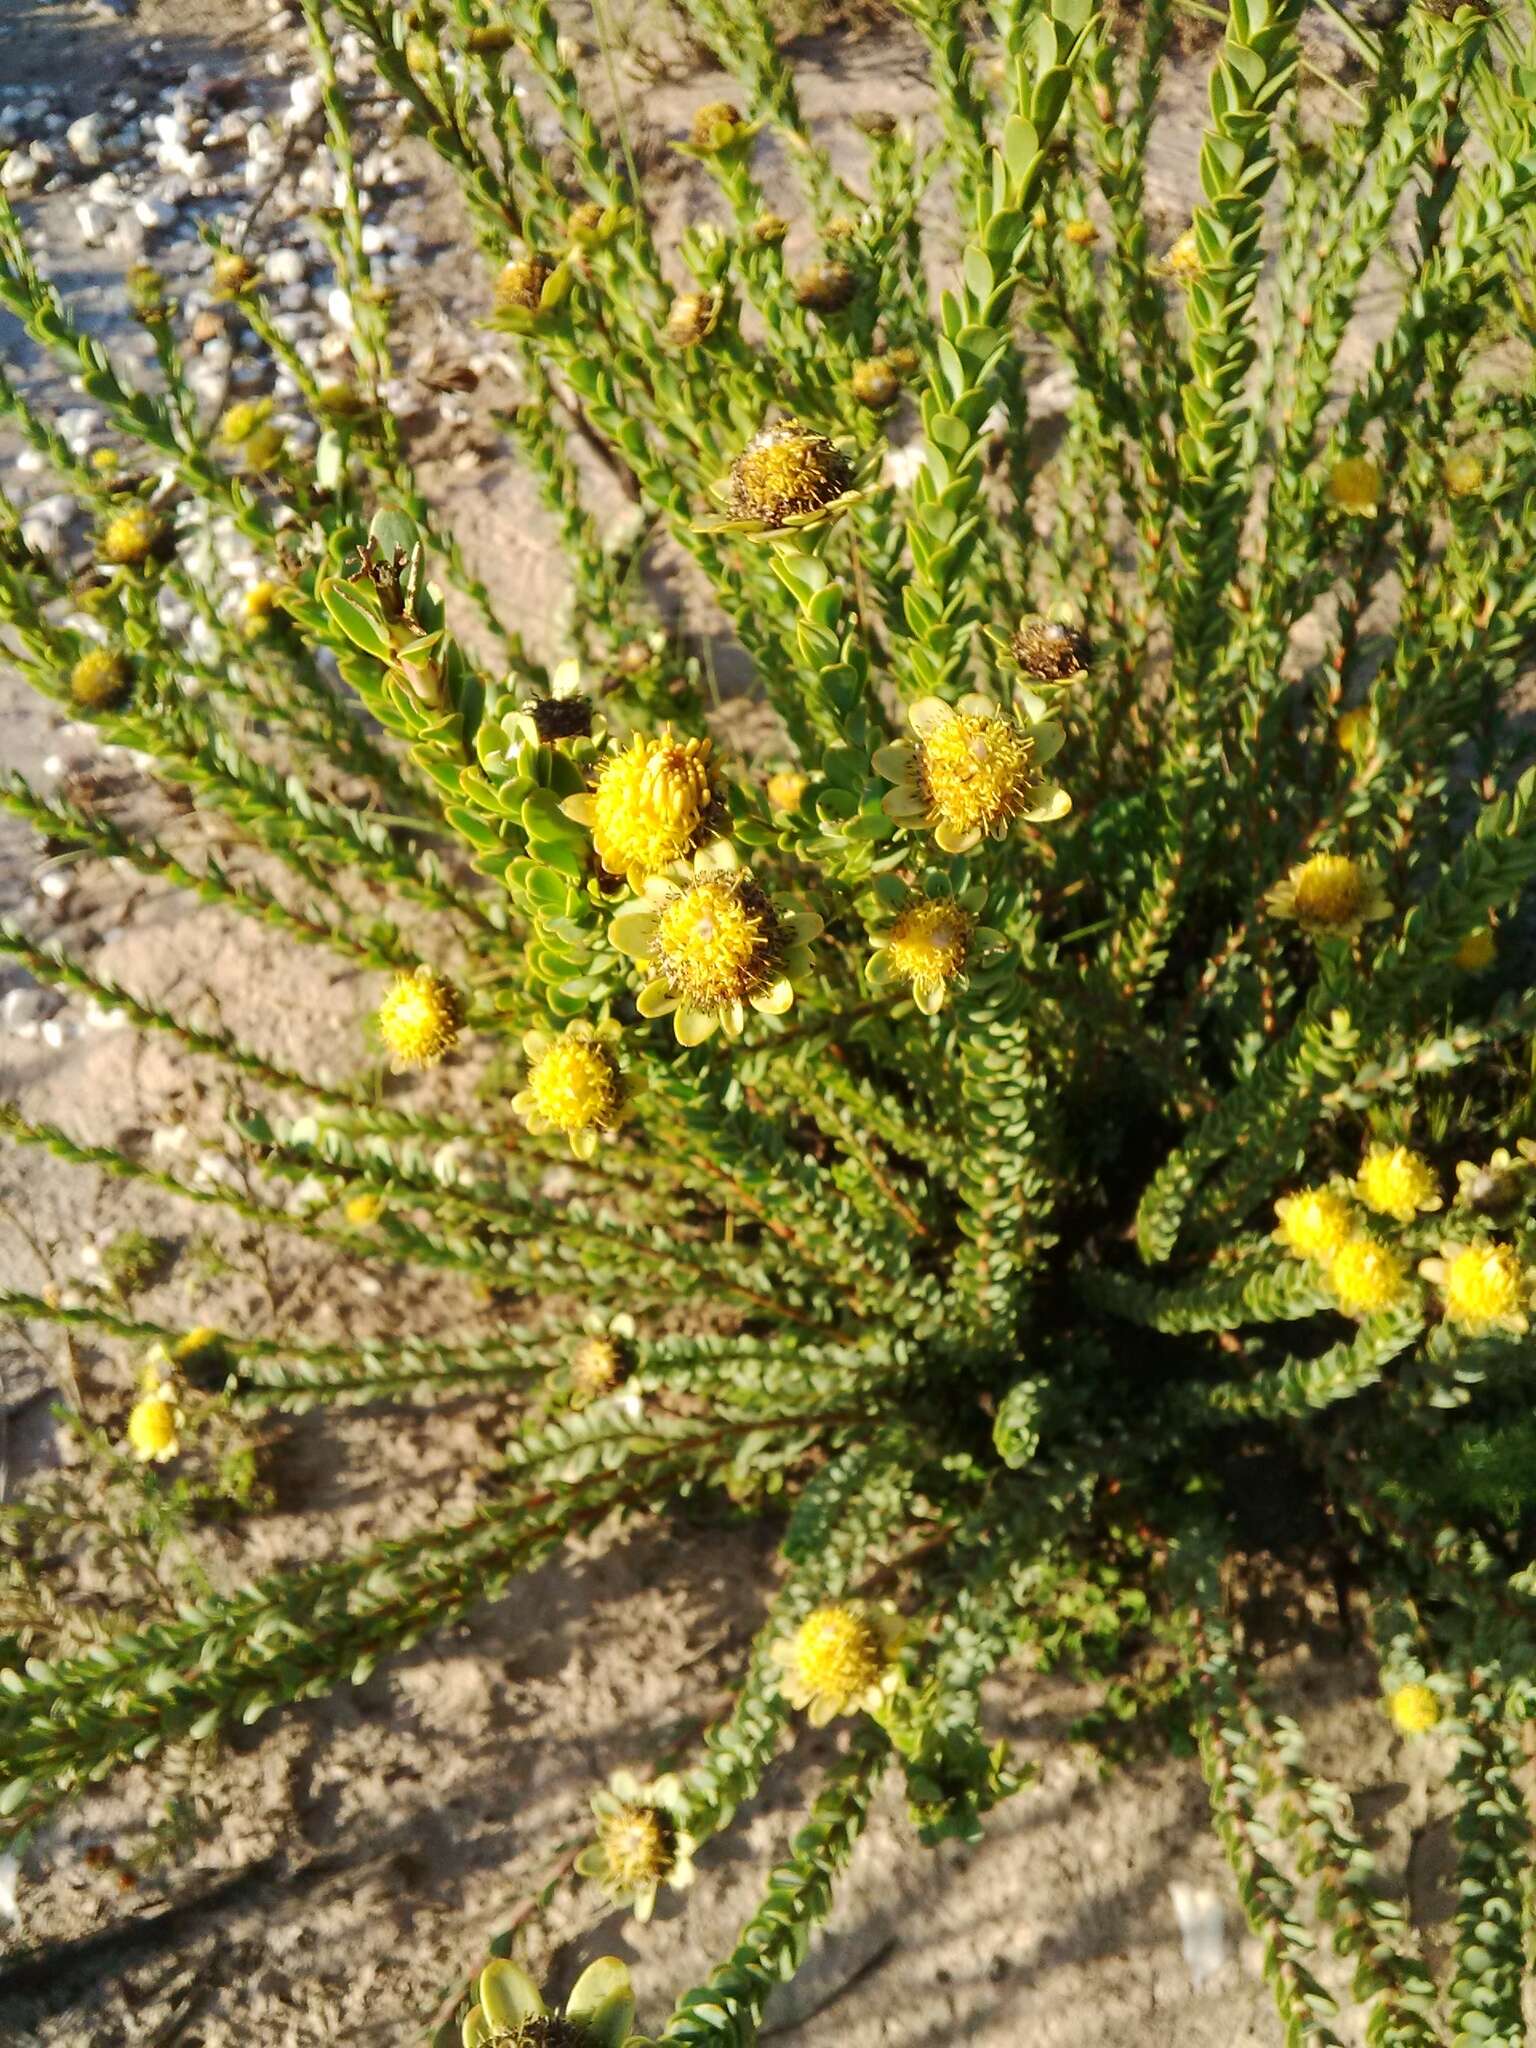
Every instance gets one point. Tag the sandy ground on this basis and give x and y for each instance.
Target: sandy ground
(357, 1852)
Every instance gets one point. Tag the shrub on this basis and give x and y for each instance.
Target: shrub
(1048, 1128)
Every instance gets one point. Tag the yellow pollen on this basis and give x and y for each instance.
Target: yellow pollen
(975, 769)
(1329, 889)
(575, 1085)
(653, 803)
(1396, 1182)
(638, 1845)
(1414, 1709)
(1483, 1284)
(718, 942)
(1367, 1277)
(1313, 1224)
(929, 941)
(152, 1428)
(837, 1655)
(420, 1018)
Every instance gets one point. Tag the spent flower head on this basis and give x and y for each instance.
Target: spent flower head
(875, 384)
(420, 1019)
(1462, 473)
(1050, 650)
(692, 318)
(844, 1658)
(1491, 1186)
(1354, 485)
(827, 287)
(788, 476)
(972, 770)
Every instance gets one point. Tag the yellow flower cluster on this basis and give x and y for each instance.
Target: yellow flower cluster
(841, 1658)
(420, 1019)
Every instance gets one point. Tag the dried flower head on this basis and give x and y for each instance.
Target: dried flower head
(1354, 484)
(1368, 1278)
(973, 770)
(1482, 1287)
(875, 384)
(926, 946)
(575, 1085)
(520, 284)
(714, 948)
(153, 1424)
(769, 229)
(842, 1659)
(1050, 651)
(420, 1019)
(1491, 1186)
(1331, 896)
(788, 475)
(100, 680)
(1313, 1224)
(1398, 1183)
(640, 1844)
(560, 718)
(1414, 1709)
(147, 296)
(654, 802)
(826, 287)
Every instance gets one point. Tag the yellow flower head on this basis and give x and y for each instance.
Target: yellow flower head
(826, 287)
(1368, 1277)
(260, 605)
(526, 289)
(786, 475)
(1414, 1709)
(242, 419)
(715, 947)
(1396, 1182)
(596, 1368)
(1354, 484)
(785, 787)
(1313, 1224)
(841, 1659)
(875, 383)
(574, 1086)
(692, 318)
(640, 1843)
(152, 1425)
(132, 536)
(509, 2011)
(1462, 473)
(203, 1345)
(1330, 896)
(769, 229)
(1478, 951)
(926, 946)
(1352, 734)
(715, 124)
(1082, 234)
(973, 771)
(655, 802)
(232, 274)
(1182, 263)
(361, 1211)
(100, 680)
(1483, 1286)
(420, 1019)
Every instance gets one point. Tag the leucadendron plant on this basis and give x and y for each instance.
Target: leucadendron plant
(1056, 1123)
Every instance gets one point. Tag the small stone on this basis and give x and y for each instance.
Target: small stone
(91, 224)
(285, 266)
(107, 190)
(19, 173)
(87, 141)
(206, 327)
(151, 212)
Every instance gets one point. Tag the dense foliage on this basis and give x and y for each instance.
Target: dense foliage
(1051, 1128)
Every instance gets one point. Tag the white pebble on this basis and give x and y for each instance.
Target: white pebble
(87, 141)
(285, 266)
(150, 212)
